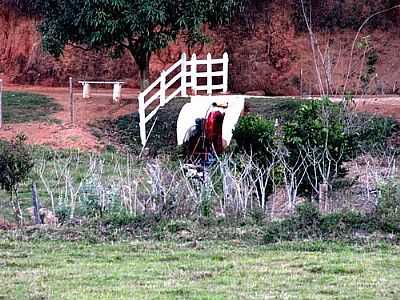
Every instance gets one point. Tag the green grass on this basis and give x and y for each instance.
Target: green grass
(161, 270)
(25, 107)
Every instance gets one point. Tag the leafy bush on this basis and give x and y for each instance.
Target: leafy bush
(317, 124)
(254, 134)
(15, 165)
(307, 223)
(317, 129)
(124, 218)
(368, 133)
(388, 210)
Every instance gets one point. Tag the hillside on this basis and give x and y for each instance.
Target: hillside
(268, 47)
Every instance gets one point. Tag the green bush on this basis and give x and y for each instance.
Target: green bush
(368, 133)
(317, 127)
(308, 223)
(16, 163)
(303, 224)
(254, 134)
(124, 218)
(388, 211)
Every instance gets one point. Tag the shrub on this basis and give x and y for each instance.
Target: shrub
(307, 223)
(124, 218)
(307, 219)
(15, 165)
(368, 133)
(63, 213)
(317, 129)
(341, 224)
(317, 124)
(254, 134)
(388, 211)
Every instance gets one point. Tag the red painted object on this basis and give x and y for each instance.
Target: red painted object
(213, 130)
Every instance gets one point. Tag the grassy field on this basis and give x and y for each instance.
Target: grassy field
(23, 107)
(161, 270)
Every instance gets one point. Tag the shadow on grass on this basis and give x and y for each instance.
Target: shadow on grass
(25, 107)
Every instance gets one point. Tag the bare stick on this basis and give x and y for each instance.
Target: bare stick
(356, 38)
(36, 204)
(71, 101)
(1, 103)
(313, 44)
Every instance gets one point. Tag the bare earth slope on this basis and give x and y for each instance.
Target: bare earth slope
(267, 50)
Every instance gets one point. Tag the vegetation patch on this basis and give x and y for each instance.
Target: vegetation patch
(25, 107)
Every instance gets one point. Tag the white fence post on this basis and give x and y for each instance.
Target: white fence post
(209, 75)
(86, 90)
(184, 75)
(1, 103)
(162, 88)
(117, 89)
(193, 71)
(142, 115)
(226, 72)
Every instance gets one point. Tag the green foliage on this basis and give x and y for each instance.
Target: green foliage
(123, 218)
(388, 210)
(63, 213)
(15, 163)
(316, 124)
(254, 135)
(370, 69)
(369, 133)
(308, 223)
(141, 26)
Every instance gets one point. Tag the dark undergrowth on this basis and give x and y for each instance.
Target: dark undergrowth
(306, 224)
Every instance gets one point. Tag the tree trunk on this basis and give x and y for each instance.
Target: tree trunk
(143, 62)
(144, 77)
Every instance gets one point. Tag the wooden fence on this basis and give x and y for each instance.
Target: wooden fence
(174, 82)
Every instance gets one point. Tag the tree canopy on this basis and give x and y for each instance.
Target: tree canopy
(140, 26)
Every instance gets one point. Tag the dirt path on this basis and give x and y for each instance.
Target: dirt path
(383, 106)
(100, 106)
(64, 135)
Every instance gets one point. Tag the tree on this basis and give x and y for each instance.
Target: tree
(139, 26)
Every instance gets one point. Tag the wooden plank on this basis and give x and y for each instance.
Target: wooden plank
(173, 67)
(173, 95)
(152, 114)
(173, 80)
(101, 82)
(152, 99)
(214, 87)
(151, 87)
(204, 62)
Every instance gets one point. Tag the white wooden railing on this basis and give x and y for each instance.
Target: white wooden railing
(163, 90)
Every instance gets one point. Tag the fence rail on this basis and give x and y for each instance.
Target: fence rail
(157, 91)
